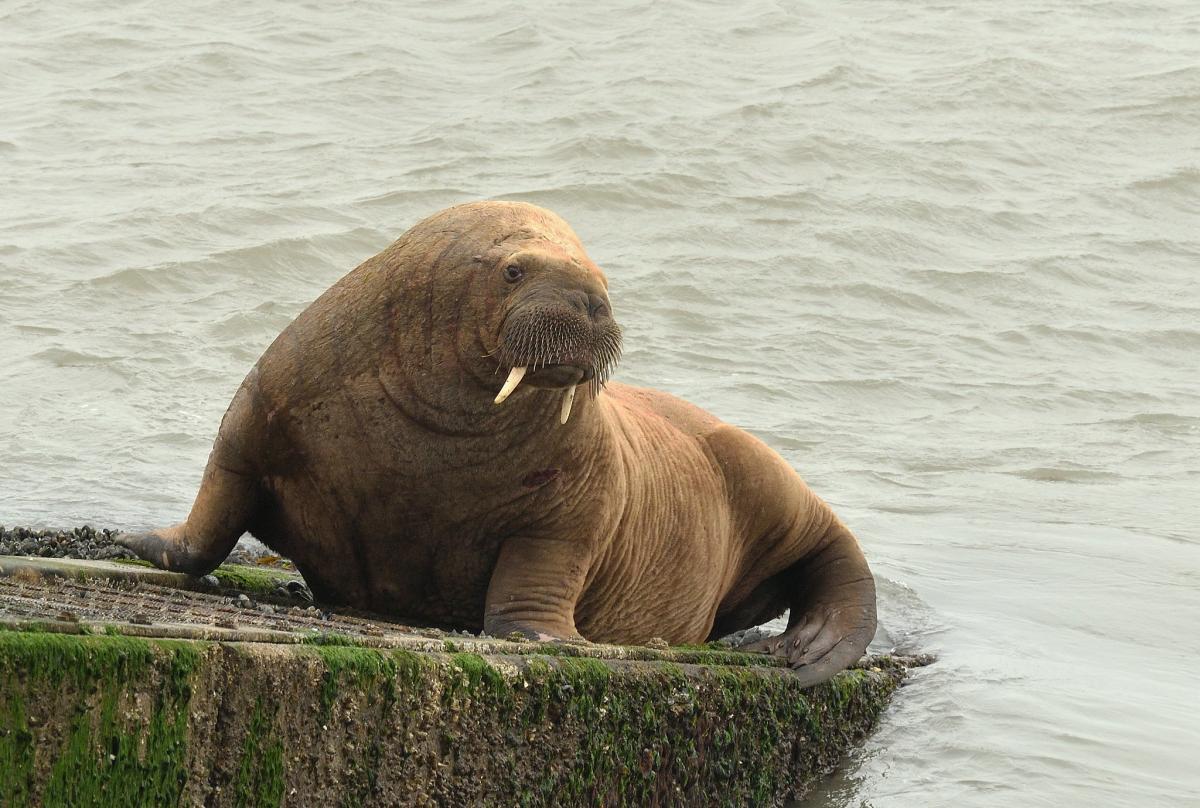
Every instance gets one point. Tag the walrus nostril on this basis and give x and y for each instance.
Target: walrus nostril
(578, 301)
(596, 306)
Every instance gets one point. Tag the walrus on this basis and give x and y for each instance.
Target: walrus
(435, 438)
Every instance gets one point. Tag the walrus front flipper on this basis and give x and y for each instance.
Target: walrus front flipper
(833, 619)
(535, 585)
(219, 516)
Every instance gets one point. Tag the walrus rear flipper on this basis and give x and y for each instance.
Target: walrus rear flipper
(226, 502)
(833, 619)
(219, 516)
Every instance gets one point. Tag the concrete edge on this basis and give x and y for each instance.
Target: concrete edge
(130, 720)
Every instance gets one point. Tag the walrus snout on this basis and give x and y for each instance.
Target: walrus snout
(559, 340)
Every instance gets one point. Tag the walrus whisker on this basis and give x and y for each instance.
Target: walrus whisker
(510, 384)
(568, 399)
(542, 336)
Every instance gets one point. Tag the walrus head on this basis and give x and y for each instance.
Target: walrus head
(558, 330)
(495, 295)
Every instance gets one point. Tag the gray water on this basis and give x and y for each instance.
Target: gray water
(944, 257)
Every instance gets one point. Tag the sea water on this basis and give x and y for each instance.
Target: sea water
(943, 256)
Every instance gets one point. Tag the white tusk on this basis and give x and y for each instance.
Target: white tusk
(510, 384)
(568, 400)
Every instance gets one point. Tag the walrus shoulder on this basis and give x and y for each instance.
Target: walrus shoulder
(684, 416)
(778, 514)
(766, 494)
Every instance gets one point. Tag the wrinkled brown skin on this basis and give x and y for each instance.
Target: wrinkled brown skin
(365, 446)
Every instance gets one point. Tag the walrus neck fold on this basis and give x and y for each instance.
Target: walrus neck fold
(528, 418)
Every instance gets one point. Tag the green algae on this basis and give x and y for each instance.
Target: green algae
(535, 729)
(332, 638)
(103, 759)
(709, 653)
(723, 657)
(251, 580)
(118, 774)
(411, 668)
(651, 721)
(617, 719)
(260, 776)
(257, 581)
(50, 658)
(358, 667)
(242, 577)
(371, 676)
(16, 752)
(478, 677)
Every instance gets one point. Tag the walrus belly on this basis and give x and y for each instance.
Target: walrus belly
(387, 560)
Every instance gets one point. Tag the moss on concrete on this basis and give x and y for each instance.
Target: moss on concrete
(251, 580)
(111, 750)
(332, 638)
(363, 669)
(242, 577)
(134, 562)
(260, 770)
(119, 720)
(723, 656)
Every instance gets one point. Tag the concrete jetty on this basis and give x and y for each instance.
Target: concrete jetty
(125, 685)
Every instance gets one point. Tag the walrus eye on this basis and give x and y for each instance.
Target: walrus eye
(513, 273)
